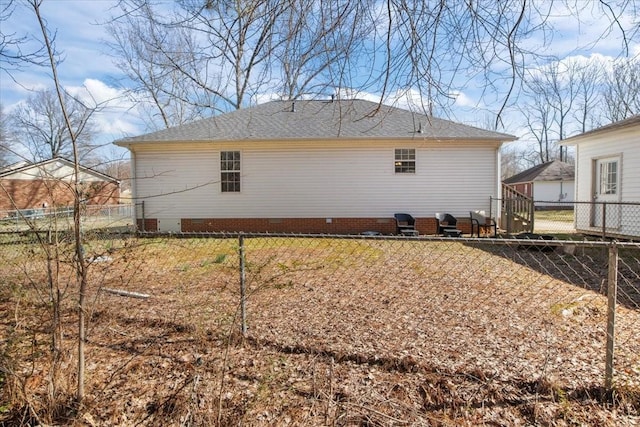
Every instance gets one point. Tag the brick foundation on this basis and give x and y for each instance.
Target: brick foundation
(294, 225)
(149, 224)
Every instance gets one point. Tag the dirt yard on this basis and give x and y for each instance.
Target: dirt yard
(340, 332)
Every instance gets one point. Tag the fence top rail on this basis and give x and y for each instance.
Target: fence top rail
(425, 238)
(52, 210)
(574, 202)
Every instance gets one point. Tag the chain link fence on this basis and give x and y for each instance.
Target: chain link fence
(219, 328)
(118, 217)
(575, 219)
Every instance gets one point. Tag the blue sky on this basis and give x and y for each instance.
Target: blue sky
(80, 36)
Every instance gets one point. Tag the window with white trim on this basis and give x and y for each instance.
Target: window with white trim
(609, 177)
(405, 160)
(230, 171)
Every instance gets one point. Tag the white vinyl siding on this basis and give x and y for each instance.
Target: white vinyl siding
(329, 182)
(553, 191)
(620, 144)
(626, 146)
(177, 184)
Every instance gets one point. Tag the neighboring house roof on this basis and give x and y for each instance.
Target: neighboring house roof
(46, 166)
(13, 166)
(312, 120)
(630, 122)
(549, 171)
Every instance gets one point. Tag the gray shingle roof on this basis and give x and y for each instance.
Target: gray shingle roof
(299, 120)
(549, 171)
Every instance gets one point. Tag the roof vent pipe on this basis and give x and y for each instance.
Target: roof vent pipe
(293, 107)
(419, 127)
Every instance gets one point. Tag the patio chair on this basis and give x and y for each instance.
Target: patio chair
(448, 225)
(482, 224)
(405, 224)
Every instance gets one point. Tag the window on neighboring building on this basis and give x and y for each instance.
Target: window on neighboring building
(230, 171)
(405, 160)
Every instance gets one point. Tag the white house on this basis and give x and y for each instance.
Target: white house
(608, 176)
(343, 166)
(547, 184)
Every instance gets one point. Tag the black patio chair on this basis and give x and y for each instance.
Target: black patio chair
(405, 224)
(448, 225)
(481, 223)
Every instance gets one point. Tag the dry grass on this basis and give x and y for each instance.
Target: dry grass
(341, 332)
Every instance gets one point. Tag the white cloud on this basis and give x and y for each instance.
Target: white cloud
(116, 126)
(463, 100)
(102, 93)
(115, 117)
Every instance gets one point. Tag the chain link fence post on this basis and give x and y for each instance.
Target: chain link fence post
(612, 290)
(604, 221)
(143, 216)
(509, 216)
(243, 311)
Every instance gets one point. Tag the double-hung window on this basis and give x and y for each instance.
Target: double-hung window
(230, 171)
(405, 160)
(609, 177)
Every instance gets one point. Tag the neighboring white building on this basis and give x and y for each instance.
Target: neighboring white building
(547, 184)
(312, 166)
(608, 173)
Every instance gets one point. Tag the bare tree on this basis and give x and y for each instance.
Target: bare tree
(5, 153)
(53, 251)
(560, 99)
(217, 56)
(621, 92)
(56, 123)
(211, 56)
(318, 40)
(229, 53)
(589, 81)
(562, 79)
(40, 125)
(539, 115)
(16, 51)
(509, 161)
(164, 97)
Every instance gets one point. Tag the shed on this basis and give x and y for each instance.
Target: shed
(608, 179)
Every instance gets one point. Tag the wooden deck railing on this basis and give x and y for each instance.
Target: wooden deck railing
(517, 211)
